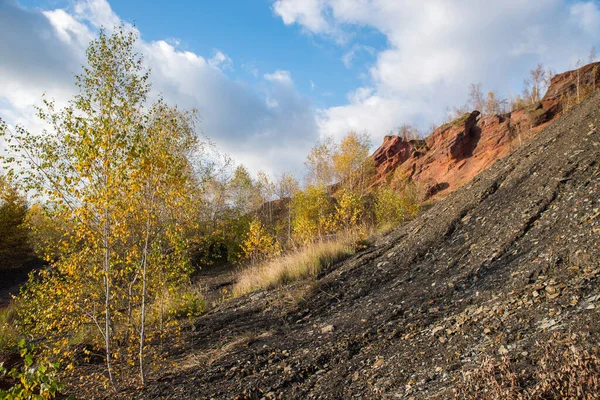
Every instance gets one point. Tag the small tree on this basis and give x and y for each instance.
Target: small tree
(245, 193)
(14, 240)
(534, 85)
(350, 209)
(517, 102)
(258, 244)
(320, 163)
(476, 101)
(351, 162)
(578, 67)
(119, 171)
(389, 207)
(285, 187)
(493, 105)
(265, 188)
(312, 214)
(408, 132)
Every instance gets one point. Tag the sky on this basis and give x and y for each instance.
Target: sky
(270, 78)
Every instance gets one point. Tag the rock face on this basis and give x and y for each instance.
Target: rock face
(455, 152)
(564, 86)
(394, 152)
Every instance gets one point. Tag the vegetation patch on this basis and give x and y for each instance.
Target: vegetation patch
(9, 336)
(304, 263)
(568, 369)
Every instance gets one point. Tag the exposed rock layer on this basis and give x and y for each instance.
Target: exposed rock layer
(456, 152)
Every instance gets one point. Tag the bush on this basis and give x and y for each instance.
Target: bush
(393, 206)
(188, 302)
(258, 244)
(8, 332)
(313, 214)
(46, 231)
(33, 380)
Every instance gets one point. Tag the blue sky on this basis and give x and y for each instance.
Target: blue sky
(250, 33)
(272, 77)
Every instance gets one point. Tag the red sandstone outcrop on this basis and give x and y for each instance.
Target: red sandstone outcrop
(455, 152)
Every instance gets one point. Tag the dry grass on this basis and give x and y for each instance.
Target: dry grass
(9, 336)
(304, 263)
(195, 360)
(569, 368)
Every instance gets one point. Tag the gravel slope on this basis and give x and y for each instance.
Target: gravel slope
(501, 263)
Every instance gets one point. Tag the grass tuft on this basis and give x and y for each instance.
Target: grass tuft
(304, 263)
(9, 335)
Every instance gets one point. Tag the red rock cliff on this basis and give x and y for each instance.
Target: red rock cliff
(455, 152)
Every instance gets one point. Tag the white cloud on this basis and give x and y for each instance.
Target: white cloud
(43, 50)
(435, 48)
(279, 76)
(97, 12)
(221, 60)
(307, 13)
(351, 55)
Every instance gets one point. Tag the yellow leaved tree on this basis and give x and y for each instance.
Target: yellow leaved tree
(312, 214)
(258, 244)
(351, 162)
(117, 172)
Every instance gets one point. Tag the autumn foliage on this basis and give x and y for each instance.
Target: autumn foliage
(127, 203)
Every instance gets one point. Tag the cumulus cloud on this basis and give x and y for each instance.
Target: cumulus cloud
(436, 48)
(433, 50)
(307, 13)
(270, 127)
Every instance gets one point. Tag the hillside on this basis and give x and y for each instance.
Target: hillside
(501, 264)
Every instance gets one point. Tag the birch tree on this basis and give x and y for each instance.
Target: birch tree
(119, 171)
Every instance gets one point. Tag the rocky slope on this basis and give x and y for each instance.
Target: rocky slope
(499, 265)
(454, 153)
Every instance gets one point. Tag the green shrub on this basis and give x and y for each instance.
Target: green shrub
(34, 380)
(188, 304)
